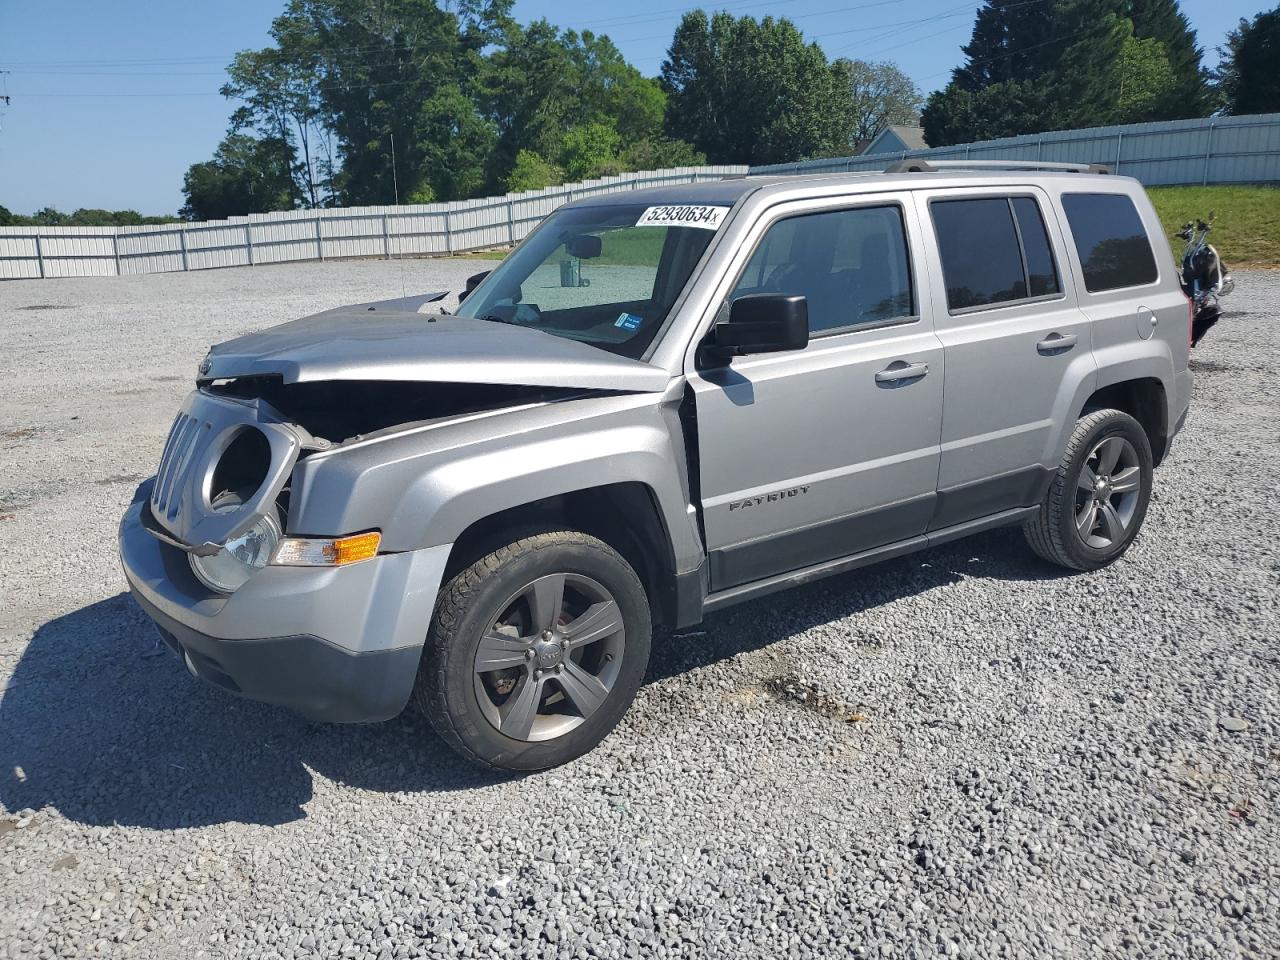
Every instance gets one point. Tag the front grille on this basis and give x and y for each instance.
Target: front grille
(179, 451)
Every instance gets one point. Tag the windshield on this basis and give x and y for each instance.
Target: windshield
(605, 275)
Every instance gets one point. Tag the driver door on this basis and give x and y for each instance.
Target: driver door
(833, 450)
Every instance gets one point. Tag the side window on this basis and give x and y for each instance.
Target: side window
(1110, 239)
(850, 265)
(994, 250)
(1042, 274)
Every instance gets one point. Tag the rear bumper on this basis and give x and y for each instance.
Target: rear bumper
(338, 644)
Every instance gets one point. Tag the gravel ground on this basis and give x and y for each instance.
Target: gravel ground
(962, 752)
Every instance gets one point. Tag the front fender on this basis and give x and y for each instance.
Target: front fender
(426, 486)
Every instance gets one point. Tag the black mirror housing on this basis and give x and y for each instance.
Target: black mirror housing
(763, 323)
(473, 281)
(584, 246)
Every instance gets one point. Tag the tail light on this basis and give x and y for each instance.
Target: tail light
(1191, 321)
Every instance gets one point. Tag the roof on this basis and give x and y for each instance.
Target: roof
(906, 137)
(729, 191)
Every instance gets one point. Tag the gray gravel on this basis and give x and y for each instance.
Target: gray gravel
(958, 753)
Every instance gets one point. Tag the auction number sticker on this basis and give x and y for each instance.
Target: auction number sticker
(683, 215)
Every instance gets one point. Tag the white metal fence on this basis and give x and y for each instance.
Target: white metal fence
(1216, 150)
(390, 231)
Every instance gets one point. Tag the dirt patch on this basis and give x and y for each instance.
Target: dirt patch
(21, 433)
(791, 689)
(1215, 366)
(114, 479)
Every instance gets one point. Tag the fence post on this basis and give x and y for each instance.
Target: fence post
(448, 233)
(39, 256)
(1208, 153)
(248, 241)
(1039, 149)
(115, 249)
(386, 239)
(511, 224)
(319, 241)
(1119, 147)
(182, 238)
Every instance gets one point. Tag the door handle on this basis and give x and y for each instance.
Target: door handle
(900, 370)
(1057, 343)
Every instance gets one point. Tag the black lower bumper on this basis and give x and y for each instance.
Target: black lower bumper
(303, 673)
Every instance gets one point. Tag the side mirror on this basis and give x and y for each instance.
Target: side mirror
(763, 323)
(473, 281)
(584, 246)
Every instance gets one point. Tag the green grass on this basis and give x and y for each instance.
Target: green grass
(1246, 231)
(485, 255)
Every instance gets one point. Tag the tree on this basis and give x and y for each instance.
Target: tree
(541, 82)
(246, 175)
(660, 153)
(1186, 91)
(1146, 76)
(1032, 67)
(590, 150)
(532, 172)
(1249, 74)
(744, 90)
(882, 96)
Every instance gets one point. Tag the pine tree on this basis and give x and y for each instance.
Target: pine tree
(1188, 94)
(1036, 65)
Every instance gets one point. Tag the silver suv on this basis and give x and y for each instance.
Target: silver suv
(661, 403)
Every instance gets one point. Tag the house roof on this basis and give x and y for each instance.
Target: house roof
(910, 138)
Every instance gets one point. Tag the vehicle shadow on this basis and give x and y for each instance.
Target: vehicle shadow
(996, 555)
(106, 725)
(102, 723)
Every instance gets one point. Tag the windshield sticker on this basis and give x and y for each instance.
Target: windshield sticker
(684, 215)
(628, 321)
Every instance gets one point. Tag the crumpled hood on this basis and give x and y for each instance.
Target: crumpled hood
(359, 343)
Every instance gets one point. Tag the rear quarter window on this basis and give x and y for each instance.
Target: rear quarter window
(1111, 241)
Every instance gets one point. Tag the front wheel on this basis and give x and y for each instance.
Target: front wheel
(535, 652)
(1098, 498)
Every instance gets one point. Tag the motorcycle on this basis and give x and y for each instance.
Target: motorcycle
(1205, 278)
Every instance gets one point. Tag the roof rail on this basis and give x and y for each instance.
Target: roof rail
(920, 165)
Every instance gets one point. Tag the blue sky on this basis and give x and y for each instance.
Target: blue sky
(112, 101)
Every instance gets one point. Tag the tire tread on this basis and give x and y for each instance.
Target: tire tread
(455, 599)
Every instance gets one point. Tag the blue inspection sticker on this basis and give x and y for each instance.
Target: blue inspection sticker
(628, 321)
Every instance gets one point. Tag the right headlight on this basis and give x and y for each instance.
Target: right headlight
(240, 558)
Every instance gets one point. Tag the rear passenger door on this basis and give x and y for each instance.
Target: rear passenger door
(815, 454)
(1015, 342)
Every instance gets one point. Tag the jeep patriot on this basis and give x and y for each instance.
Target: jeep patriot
(661, 403)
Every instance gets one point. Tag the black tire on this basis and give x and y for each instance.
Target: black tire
(447, 690)
(1053, 533)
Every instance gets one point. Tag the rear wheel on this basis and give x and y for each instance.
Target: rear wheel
(1098, 498)
(535, 652)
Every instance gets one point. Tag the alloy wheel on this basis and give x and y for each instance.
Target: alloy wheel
(550, 658)
(1107, 493)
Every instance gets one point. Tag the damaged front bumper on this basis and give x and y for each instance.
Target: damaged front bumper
(339, 644)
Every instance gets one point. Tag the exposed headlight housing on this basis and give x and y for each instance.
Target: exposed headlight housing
(240, 558)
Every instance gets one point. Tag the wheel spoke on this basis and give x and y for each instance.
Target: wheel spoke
(1126, 481)
(1087, 479)
(598, 620)
(1109, 455)
(584, 691)
(498, 651)
(516, 716)
(546, 597)
(1112, 522)
(1086, 518)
